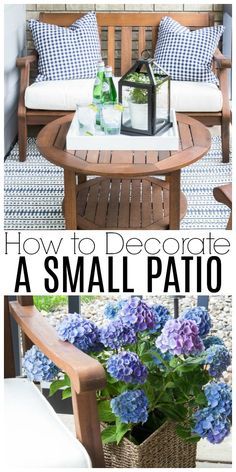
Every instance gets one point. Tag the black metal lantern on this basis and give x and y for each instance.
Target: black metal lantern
(144, 92)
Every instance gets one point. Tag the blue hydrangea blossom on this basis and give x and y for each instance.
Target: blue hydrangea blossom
(162, 315)
(84, 334)
(217, 358)
(212, 422)
(127, 367)
(200, 315)
(131, 406)
(117, 334)
(37, 366)
(212, 341)
(211, 426)
(112, 309)
(180, 337)
(219, 397)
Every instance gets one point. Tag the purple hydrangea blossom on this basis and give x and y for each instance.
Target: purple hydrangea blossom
(180, 337)
(211, 426)
(37, 366)
(212, 341)
(127, 367)
(84, 334)
(131, 406)
(201, 316)
(219, 397)
(138, 314)
(117, 333)
(112, 309)
(217, 358)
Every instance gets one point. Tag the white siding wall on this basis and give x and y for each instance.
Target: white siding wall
(14, 46)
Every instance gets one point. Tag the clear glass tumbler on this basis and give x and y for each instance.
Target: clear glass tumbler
(86, 119)
(111, 118)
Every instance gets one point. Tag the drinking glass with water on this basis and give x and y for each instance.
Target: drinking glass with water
(86, 119)
(111, 118)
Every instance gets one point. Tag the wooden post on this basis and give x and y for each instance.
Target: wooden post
(9, 362)
(87, 425)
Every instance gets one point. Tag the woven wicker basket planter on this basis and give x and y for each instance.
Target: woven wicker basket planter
(162, 449)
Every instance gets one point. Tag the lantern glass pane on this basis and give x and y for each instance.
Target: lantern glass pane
(162, 103)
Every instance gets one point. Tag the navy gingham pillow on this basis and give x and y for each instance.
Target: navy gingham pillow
(184, 54)
(67, 53)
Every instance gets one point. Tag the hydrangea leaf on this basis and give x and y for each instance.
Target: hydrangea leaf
(183, 432)
(104, 411)
(66, 393)
(121, 430)
(109, 435)
(57, 384)
(189, 366)
(200, 399)
(194, 438)
(176, 414)
(147, 357)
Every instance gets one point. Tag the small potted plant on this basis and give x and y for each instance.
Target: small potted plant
(163, 391)
(138, 101)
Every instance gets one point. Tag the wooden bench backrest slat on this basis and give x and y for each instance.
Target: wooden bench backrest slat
(141, 40)
(196, 19)
(111, 46)
(121, 25)
(126, 48)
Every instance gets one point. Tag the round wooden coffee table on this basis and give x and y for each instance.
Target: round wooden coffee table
(126, 195)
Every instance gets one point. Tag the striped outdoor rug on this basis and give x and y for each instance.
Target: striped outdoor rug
(34, 191)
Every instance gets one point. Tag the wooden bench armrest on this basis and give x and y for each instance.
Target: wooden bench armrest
(223, 194)
(24, 65)
(26, 60)
(220, 60)
(86, 373)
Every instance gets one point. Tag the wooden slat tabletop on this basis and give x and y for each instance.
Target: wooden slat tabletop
(195, 141)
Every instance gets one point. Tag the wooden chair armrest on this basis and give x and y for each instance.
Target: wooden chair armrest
(26, 60)
(221, 61)
(86, 373)
(223, 194)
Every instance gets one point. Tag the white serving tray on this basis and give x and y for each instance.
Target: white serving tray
(121, 142)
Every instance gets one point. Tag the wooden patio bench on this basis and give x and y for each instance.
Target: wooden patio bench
(85, 373)
(127, 23)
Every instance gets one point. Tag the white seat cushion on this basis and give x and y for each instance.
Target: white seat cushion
(65, 94)
(34, 435)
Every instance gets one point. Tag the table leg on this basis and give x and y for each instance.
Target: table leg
(70, 199)
(174, 203)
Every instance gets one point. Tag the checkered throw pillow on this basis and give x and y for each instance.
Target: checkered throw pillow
(67, 53)
(184, 54)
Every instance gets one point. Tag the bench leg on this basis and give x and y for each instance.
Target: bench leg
(22, 137)
(225, 139)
